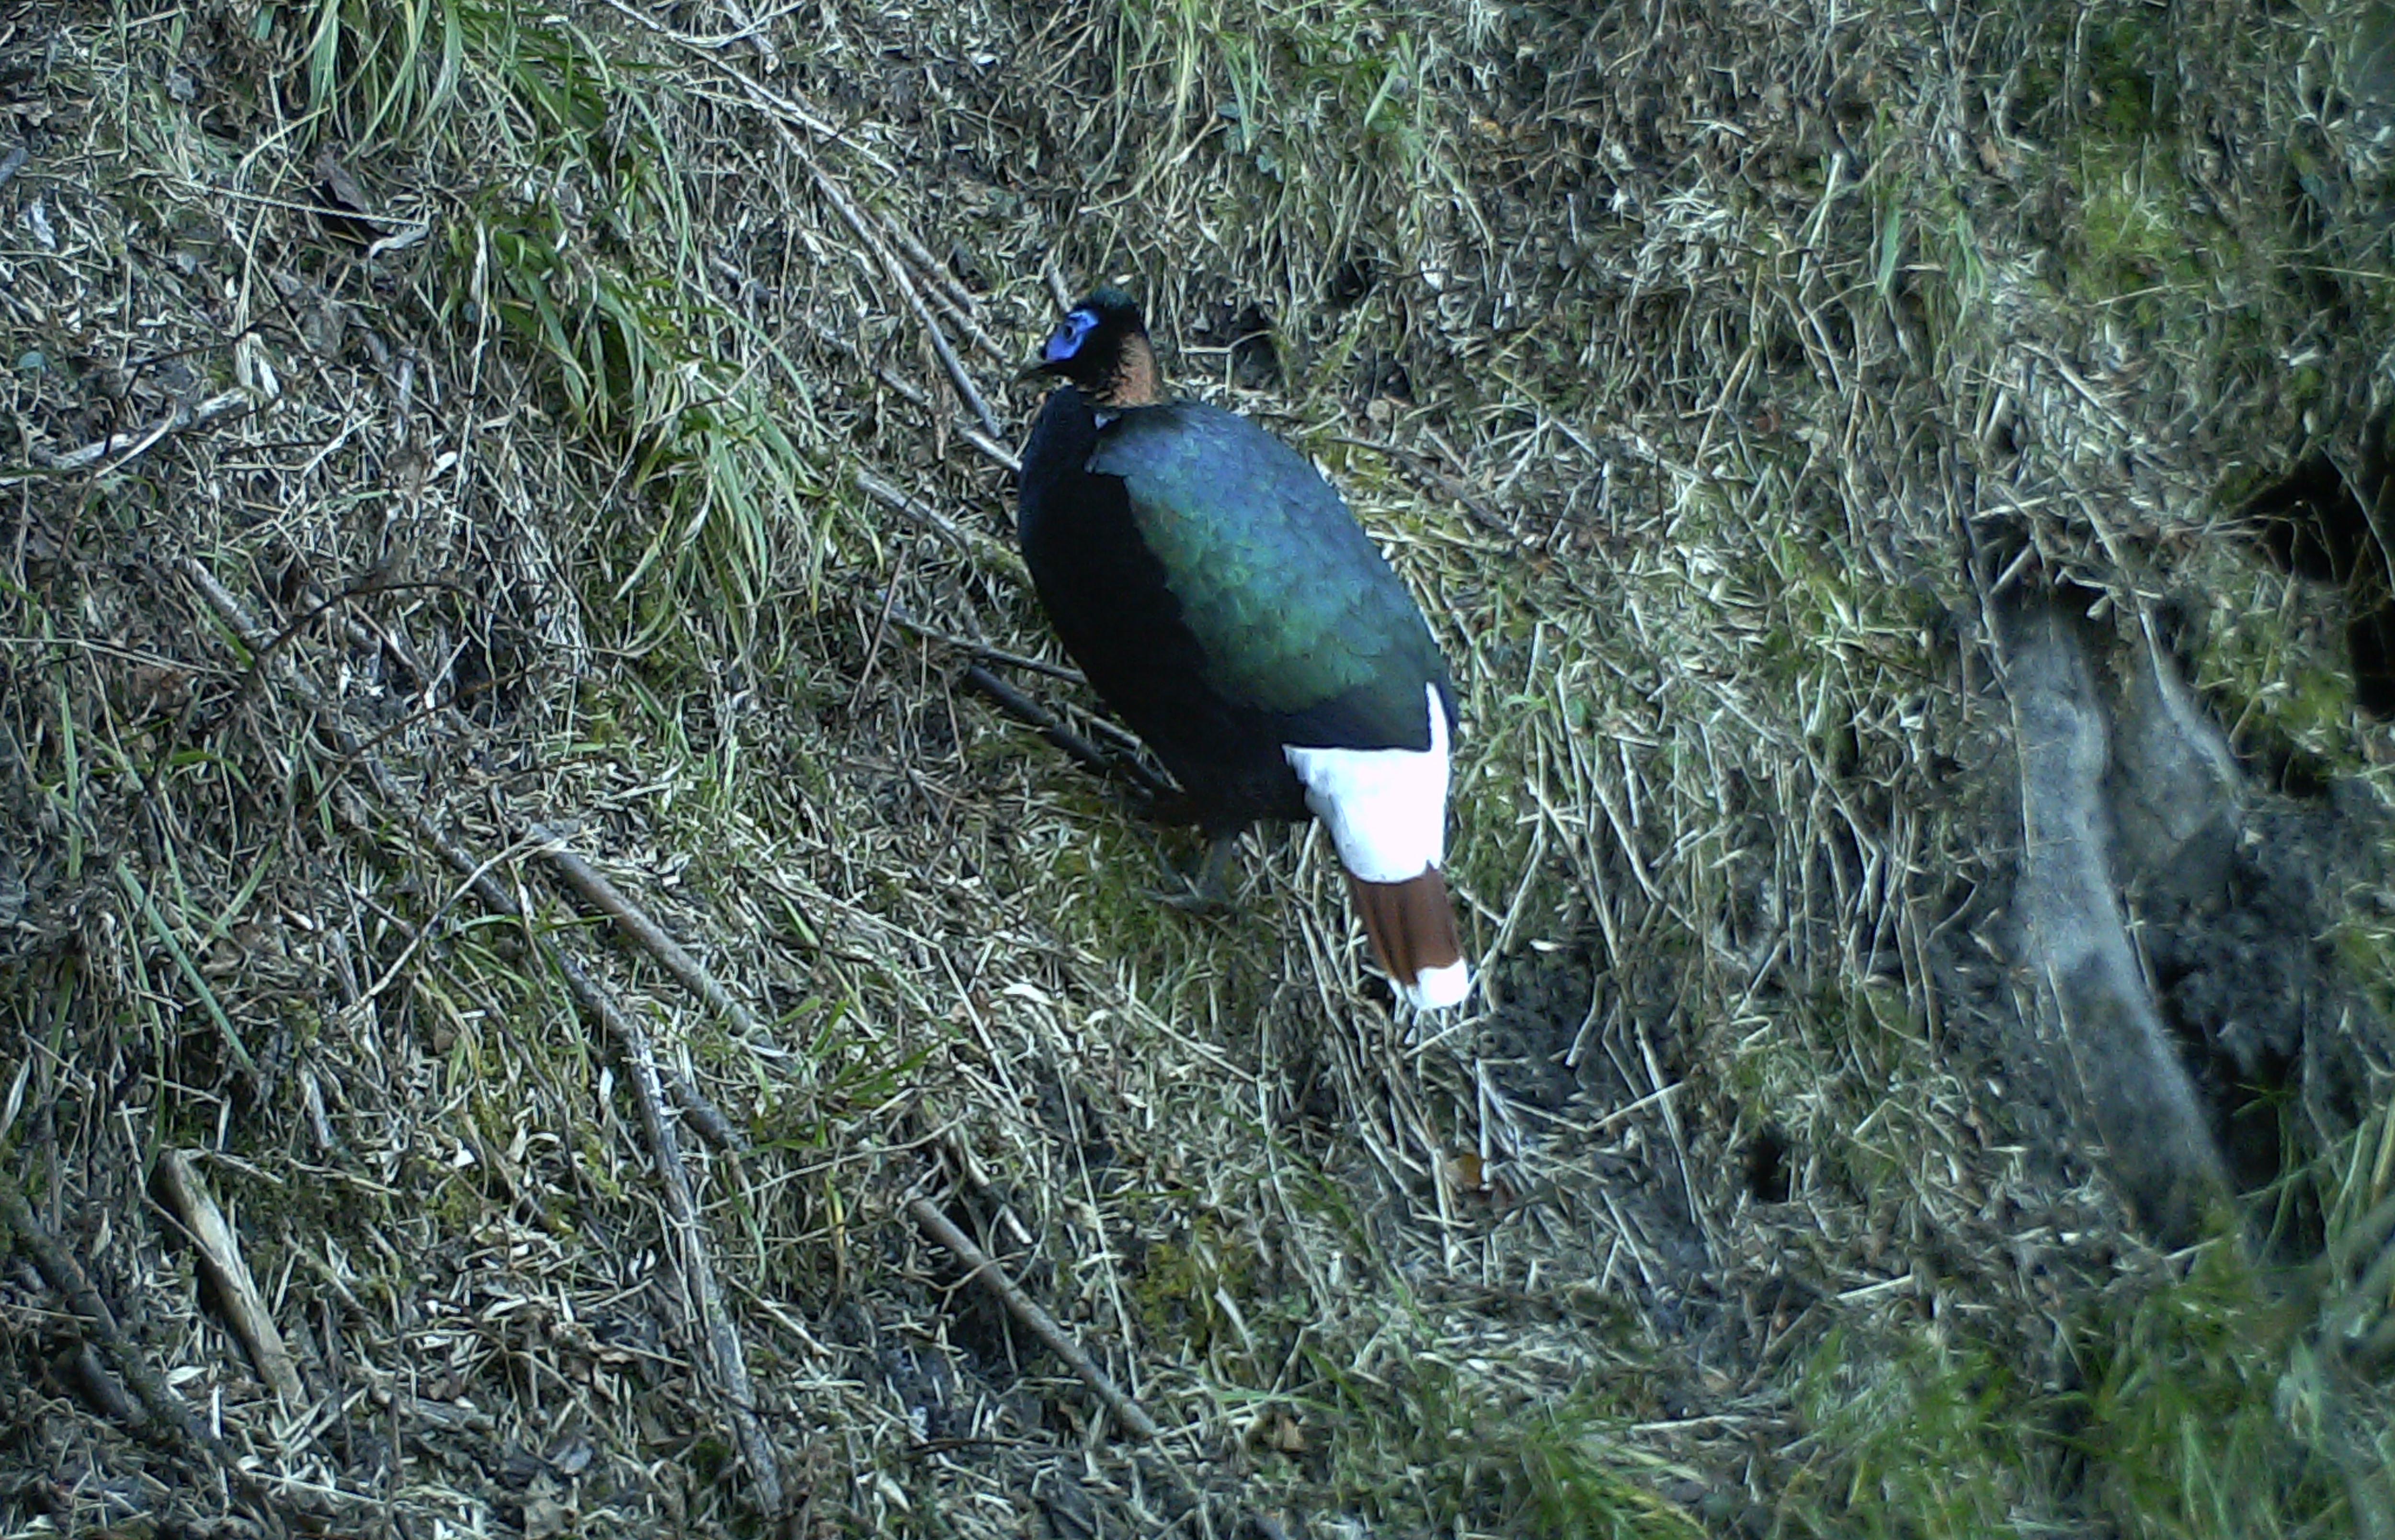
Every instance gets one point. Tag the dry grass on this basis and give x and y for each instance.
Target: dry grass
(1701, 369)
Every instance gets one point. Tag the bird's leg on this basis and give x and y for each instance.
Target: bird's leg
(1221, 849)
(1209, 893)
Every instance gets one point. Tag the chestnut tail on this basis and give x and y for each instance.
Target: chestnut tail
(1411, 926)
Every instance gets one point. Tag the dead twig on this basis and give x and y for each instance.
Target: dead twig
(172, 1422)
(595, 889)
(986, 1273)
(682, 1208)
(991, 447)
(717, 1330)
(953, 299)
(784, 108)
(906, 622)
(1097, 761)
(784, 113)
(888, 376)
(855, 218)
(704, 1115)
(176, 1181)
(377, 581)
(119, 449)
(981, 549)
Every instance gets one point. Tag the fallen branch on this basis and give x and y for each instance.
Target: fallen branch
(681, 1209)
(991, 446)
(723, 1333)
(786, 108)
(784, 113)
(172, 1422)
(854, 217)
(855, 354)
(993, 451)
(974, 546)
(905, 620)
(178, 1186)
(120, 449)
(595, 889)
(949, 292)
(731, 1373)
(986, 1273)
(1097, 761)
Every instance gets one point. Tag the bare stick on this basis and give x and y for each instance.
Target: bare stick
(120, 448)
(1097, 761)
(605, 897)
(892, 498)
(786, 112)
(784, 108)
(983, 551)
(986, 1272)
(721, 1334)
(179, 1187)
(838, 197)
(888, 376)
(704, 1115)
(172, 1418)
(899, 616)
(681, 1210)
(951, 294)
(991, 448)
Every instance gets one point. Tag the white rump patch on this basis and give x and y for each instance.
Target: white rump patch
(1385, 807)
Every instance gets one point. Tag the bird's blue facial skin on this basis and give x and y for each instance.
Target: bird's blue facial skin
(1069, 337)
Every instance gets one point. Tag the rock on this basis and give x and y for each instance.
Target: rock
(2072, 938)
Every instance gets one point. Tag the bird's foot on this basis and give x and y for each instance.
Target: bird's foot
(1194, 899)
(1209, 892)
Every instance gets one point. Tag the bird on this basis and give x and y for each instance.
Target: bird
(1221, 598)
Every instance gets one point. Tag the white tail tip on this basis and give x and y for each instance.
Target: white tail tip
(1437, 988)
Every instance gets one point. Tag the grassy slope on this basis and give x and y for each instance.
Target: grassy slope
(1725, 323)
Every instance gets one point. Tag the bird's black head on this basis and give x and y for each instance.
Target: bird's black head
(1102, 346)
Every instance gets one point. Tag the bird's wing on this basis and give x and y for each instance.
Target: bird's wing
(1296, 611)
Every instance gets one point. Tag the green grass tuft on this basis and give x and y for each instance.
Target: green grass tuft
(1425, 1449)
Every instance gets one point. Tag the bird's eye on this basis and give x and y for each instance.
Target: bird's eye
(1069, 337)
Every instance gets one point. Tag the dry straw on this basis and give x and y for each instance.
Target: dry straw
(472, 462)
